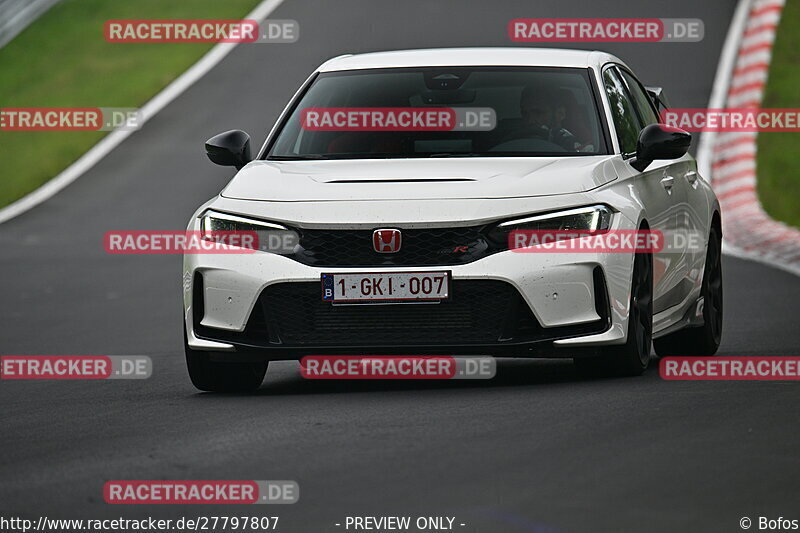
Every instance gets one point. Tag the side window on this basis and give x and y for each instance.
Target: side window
(626, 120)
(640, 99)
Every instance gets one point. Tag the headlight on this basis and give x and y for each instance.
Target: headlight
(213, 221)
(271, 237)
(581, 220)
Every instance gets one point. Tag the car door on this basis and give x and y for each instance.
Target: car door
(698, 215)
(658, 187)
(684, 189)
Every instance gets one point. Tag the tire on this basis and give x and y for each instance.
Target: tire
(701, 341)
(633, 357)
(212, 376)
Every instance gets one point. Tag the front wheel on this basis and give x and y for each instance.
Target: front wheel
(631, 358)
(213, 376)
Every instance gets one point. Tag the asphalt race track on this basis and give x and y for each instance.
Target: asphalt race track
(534, 450)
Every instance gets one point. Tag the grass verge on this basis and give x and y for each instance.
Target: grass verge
(63, 60)
(777, 157)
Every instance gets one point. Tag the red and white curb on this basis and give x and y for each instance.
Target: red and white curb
(730, 158)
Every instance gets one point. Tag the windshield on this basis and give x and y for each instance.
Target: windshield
(443, 112)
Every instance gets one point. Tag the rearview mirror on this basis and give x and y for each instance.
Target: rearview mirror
(659, 141)
(229, 149)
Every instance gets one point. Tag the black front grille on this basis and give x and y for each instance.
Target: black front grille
(420, 247)
(478, 311)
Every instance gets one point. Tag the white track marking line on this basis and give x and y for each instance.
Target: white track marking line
(148, 111)
(722, 80)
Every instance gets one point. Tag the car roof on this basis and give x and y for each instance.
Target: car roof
(452, 57)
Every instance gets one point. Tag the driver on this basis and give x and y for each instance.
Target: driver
(544, 110)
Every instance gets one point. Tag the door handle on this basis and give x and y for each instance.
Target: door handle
(667, 182)
(691, 177)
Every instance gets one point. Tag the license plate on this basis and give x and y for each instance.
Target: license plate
(373, 287)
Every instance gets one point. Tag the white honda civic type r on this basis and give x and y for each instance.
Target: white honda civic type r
(385, 200)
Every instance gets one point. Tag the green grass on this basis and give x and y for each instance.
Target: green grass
(63, 60)
(779, 153)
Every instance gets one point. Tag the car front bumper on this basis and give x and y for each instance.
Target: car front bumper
(262, 305)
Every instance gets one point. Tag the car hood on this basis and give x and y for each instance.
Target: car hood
(419, 179)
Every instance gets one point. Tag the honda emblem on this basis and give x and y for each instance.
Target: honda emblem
(386, 241)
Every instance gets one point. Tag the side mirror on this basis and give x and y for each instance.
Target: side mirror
(229, 149)
(659, 141)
